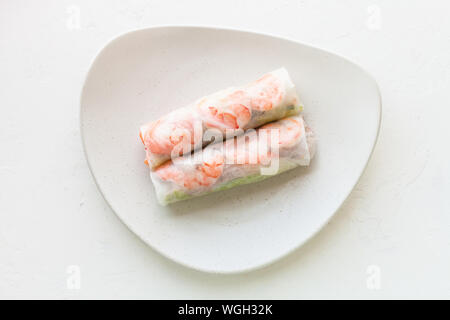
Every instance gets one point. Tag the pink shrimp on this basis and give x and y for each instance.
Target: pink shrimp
(289, 130)
(234, 111)
(265, 92)
(161, 136)
(248, 149)
(204, 174)
(259, 95)
(235, 116)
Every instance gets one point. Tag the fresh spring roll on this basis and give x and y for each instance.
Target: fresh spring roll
(271, 97)
(236, 161)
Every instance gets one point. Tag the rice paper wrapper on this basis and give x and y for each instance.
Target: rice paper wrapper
(271, 97)
(257, 155)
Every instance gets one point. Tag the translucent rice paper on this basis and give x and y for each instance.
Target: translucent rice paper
(271, 97)
(288, 143)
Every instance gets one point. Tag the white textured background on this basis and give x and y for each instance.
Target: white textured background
(52, 216)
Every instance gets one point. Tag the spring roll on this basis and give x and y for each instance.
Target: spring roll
(271, 97)
(258, 154)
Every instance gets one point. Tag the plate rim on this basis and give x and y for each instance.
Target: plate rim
(241, 30)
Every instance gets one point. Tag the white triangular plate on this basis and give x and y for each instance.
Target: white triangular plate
(144, 74)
